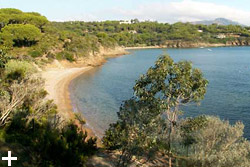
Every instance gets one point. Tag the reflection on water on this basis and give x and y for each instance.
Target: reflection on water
(99, 93)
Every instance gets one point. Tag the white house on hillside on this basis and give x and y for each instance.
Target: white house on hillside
(125, 22)
(221, 36)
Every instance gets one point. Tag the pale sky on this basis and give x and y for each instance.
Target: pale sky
(160, 10)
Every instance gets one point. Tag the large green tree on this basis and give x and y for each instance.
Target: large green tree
(20, 35)
(15, 16)
(169, 85)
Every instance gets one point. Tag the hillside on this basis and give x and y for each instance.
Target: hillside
(31, 36)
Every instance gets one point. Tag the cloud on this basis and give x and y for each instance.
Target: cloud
(186, 10)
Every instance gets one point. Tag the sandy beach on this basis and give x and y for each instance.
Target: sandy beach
(59, 75)
(57, 82)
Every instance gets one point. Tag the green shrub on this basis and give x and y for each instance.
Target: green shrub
(65, 55)
(59, 56)
(15, 69)
(36, 53)
(46, 145)
(218, 143)
(69, 56)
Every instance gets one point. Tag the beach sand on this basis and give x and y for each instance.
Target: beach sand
(57, 81)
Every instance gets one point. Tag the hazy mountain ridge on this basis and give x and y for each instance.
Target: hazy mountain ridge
(219, 21)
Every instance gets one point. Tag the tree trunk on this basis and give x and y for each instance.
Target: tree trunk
(169, 145)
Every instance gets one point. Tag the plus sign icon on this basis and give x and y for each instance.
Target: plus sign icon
(9, 158)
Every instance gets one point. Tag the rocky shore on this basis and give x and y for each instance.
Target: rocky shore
(191, 44)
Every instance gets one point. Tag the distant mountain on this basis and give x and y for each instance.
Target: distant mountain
(219, 21)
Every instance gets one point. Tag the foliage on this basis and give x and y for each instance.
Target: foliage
(65, 55)
(20, 90)
(169, 85)
(189, 126)
(20, 35)
(153, 33)
(35, 53)
(217, 143)
(15, 69)
(15, 16)
(82, 47)
(49, 146)
(4, 58)
(135, 134)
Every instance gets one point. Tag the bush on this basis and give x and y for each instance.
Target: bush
(59, 56)
(217, 144)
(69, 56)
(65, 55)
(48, 146)
(35, 53)
(15, 69)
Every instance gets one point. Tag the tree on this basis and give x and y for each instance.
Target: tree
(135, 134)
(135, 21)
(20, 35)
(15, 16)
(170, 85)
(20, 87)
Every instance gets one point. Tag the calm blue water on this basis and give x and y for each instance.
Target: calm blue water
(99, 93)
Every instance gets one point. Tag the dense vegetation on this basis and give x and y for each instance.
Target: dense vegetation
(31, 36)
(153, 33)
(148, 131)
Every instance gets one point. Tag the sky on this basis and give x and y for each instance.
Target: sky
(155, 10)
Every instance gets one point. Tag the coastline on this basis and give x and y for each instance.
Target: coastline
(166, 47)
(59, 75)
(184, 45)
(144, 47)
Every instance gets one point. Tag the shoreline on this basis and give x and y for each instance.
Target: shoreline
(59, 75)
(57, 81)
(144, 47)
(200, 45)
